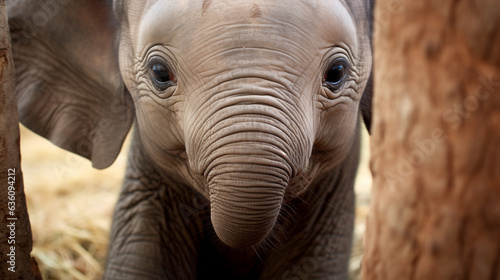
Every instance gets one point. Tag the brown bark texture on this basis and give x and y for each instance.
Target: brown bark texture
(435, 210)
(15, 231)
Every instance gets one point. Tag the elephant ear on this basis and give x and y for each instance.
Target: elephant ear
(69, 87)
(366, 103)
(366, 99)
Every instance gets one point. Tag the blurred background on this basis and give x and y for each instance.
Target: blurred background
(71, 205)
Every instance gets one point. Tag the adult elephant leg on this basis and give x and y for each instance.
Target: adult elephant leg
(152, 237)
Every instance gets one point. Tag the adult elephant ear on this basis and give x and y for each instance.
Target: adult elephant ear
(69, 88)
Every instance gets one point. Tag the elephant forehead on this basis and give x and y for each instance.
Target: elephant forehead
(224, 24)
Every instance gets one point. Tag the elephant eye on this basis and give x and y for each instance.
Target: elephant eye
(336, 74)
(161, 76)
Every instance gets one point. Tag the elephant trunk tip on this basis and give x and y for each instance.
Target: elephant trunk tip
(239, 236)
(241, 221)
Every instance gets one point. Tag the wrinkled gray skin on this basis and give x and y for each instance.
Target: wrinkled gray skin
(246, 135)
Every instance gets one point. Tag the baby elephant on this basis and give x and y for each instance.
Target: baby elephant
(246, 125)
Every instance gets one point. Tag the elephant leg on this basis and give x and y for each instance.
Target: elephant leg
(156, 230)
(321, 237)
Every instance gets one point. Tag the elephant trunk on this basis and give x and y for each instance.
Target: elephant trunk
(249, 149)
(247, 187)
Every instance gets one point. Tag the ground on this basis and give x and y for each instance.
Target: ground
(70, 206)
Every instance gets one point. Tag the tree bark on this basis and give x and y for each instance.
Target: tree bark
(435, 210)
(15, 238)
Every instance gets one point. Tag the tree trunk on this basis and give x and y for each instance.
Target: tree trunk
(15, 238)
(435, 210)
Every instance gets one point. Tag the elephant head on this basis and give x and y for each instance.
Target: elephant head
(247, 101)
